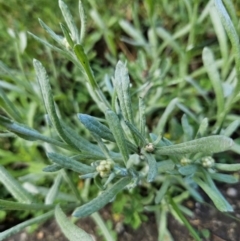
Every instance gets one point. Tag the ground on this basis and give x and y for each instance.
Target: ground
(216, 226)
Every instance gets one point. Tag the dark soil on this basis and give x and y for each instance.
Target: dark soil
(215, 225)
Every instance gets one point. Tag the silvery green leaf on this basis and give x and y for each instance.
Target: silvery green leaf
(163, 119)
(45, 43)
(71, 231)
(52, 193)
(206, 145)
(227, 167)
(17, 228)
(217, 198)
(138, 136)
(162, 191)
(14, 187)
(224, 178)
(212, 70)
(42, 191)
(187, 111)
(152, 172)
(81, 143)
(96, 127)
(70, 163)
(162, 33)
(187, 128)
(102, 146)
(82, 57)
(188, 170)
(121, 83)
(28, 133)
(93, 125)
(69, 21)
(56, 37)
(10, 205)
(202, 130)
(8, 106)
(82, 20)
(233, 36)
(49, 103)
(52, 168)
(133, 32)
(69, 180)
(104, 198)
(142, 116)
(165, 166)
(221, 35)
(67, 36)
(117, 131)
(236, 148)
(232, 128)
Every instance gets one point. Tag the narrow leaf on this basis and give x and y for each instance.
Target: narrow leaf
(67, 36)
(188, 170)
(162, 191)
(9, 106)
(202, 130)
(136, 133)
(165, 166)
(71, 231)
(14, 187)
(56, 37)
(11, 231)
(219, 201)
(184, 220)
(82, 57)
(9, 205)
(163, 119)
(53, 191)
(206, 145)
(104, 198)
(52, 168)
(227, 167)
(224, 178)
(212, 70)
(96, 127)
(70, 163)
(232, 128)
(117, 131)
(142, 117)
(233, 36)
(82, 20)
(48, 101)
(70, 21)
(152, 172)
(28, 133)
(187, 129)
(121, 84)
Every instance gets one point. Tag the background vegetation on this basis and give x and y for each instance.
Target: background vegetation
(179, 58)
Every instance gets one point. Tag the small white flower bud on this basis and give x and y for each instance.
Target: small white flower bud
(185, 161)
(208, 161)
(149, 147)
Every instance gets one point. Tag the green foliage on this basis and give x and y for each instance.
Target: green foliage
(122, 145)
